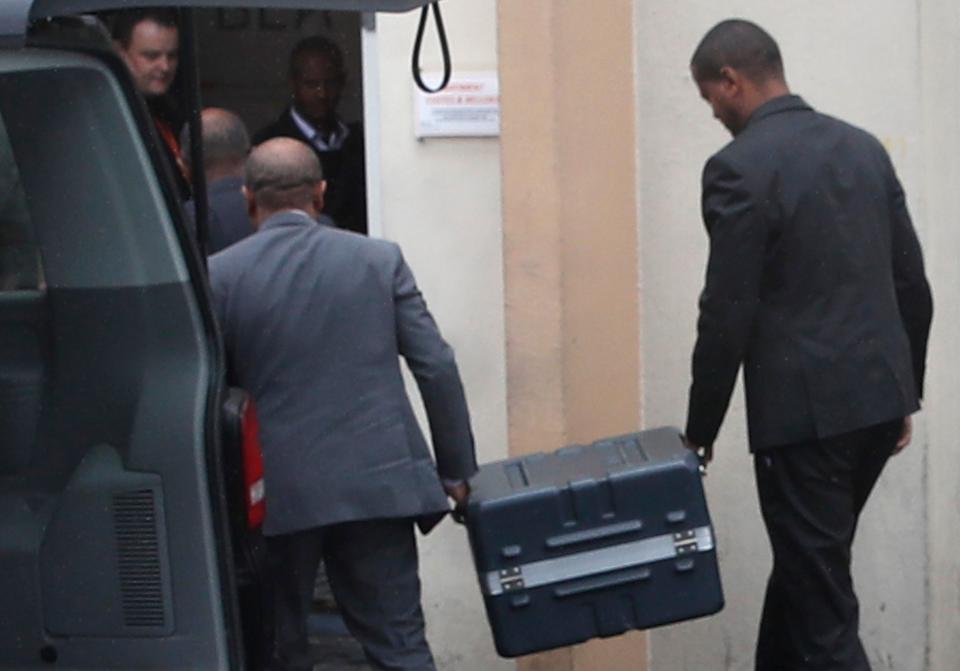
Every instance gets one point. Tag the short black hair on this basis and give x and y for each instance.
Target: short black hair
(125, 21)
(741, 45)
(316, 44)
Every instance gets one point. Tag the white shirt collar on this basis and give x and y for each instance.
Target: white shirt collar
(332, 143)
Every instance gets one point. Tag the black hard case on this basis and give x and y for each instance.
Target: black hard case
(592, 541)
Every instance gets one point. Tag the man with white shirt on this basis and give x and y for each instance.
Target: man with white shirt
(317, 79)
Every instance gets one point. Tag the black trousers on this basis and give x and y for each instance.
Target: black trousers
(811, 496)
(372, 569)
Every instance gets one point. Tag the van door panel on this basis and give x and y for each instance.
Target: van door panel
(109, 546)
(23, 346)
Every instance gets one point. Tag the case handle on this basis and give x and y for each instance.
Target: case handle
(590, 535)
(602, 582)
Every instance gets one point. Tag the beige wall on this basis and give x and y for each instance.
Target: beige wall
(441, 201)
(565, 318)
(570, 243)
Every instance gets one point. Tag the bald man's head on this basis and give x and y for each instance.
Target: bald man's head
(225, 143)
(283, 174)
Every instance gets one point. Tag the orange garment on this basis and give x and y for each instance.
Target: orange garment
(170, 139)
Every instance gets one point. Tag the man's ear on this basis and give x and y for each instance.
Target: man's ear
(731, 79)
(121, 51)
(319, 192)
(251, 203)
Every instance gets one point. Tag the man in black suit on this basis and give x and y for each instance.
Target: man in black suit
(815, 284)
(317, 78)
(225, 148)
(148, 41)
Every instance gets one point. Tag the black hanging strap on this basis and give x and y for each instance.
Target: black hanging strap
(444, 49)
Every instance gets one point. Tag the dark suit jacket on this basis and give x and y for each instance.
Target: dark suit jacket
(227, 218)
(314, 320)
(344, 170)
(815, 283)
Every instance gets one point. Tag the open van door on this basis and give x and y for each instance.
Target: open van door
(116, 549)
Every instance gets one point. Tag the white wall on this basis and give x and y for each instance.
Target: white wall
(863, 61)
(441, 202)
(939, 178)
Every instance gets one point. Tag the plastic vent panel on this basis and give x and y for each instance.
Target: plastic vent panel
(138, 554)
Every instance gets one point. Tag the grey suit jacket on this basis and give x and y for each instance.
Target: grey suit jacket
(227, 219)
(815, 283)
(314, 320)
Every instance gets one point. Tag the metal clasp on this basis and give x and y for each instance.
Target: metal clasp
(511, 579)
(685, 542)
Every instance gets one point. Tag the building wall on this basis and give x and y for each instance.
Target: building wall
(938, 177)
(570, 244)
(888, 66)
(440, 199)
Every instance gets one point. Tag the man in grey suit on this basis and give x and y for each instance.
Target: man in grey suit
(314, 321)
(816, 285)
(225, 148)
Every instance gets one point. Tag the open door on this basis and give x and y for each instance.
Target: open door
(108, 552)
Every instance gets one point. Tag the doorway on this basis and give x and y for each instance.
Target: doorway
(244, 57)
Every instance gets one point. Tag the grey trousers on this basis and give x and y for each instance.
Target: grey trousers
(372, 568)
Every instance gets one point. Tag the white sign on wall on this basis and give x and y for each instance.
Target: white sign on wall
(468, 107)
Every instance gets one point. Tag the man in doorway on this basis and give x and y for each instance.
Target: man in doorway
(815, 284)
(317, 78)
(148, 41)
(314, 321)
(225, 149)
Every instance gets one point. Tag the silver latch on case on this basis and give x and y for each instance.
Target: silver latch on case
(685, 542)
(511, 579)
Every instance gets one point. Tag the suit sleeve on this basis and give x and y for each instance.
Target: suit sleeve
(432, 363)
(218, 290)
(730, 296)
(913, 292)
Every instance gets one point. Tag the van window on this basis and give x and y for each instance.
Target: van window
(21, 318)
(19, 257)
